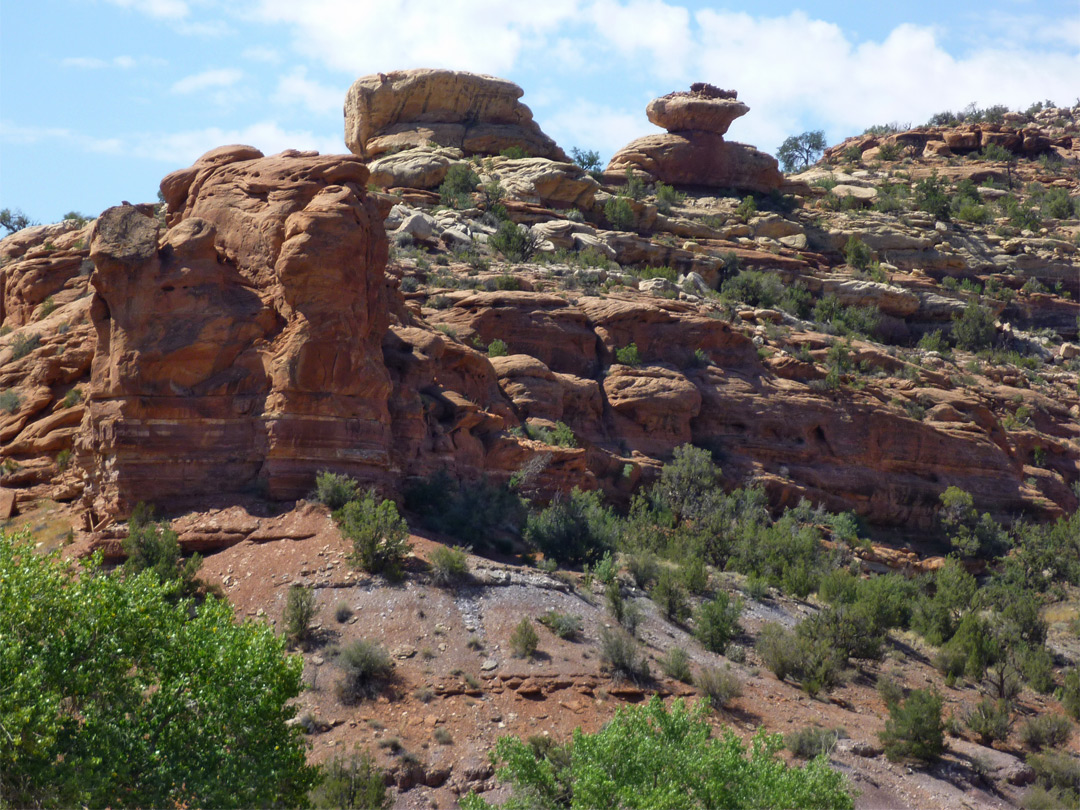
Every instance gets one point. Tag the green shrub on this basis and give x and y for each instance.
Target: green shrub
(973, 329)
(449, 566)
(857, 253)
(516, 242)
(644, 567)
(915, 729)
(457, 188)
(717, 621)
(155, 547)
(378, 533)
(355, 783)
(497, 348)
(635, 185)
(573, 529)
(622, 653)
(628, 355)
(797, 152)
(676, 664)
(1057, 203)
(619, 213)
(366, 668)
(1069, 694)
(1056, 770)
(343, 612)
(524, 640)
(564, 625)
(476, 511)
(990, 720)
(589, 159)
(667, 197)
(22, 345)
(720, 684)
(514, 153)
(664, 272)
(1045, 731)
(115, 693)
(934, 342)
(931, 195)
(300, 610)
(335, 490)
(669, 596)
(694, 575)
(10, 400)
(810, 742)
(72, 398)
(650, 756)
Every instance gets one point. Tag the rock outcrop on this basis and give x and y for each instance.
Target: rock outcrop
(693, 152)
(475, 113)
(240, 347)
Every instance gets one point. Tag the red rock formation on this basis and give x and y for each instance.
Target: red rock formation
(693, 151)
(475, 113)
(242, 345)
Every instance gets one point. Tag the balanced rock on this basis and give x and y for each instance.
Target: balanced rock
(475, 113)
(693, 151)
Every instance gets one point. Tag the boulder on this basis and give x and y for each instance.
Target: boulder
(545, 182)
(704, 108)
(475, 113)
(422, 167)
(699, 159)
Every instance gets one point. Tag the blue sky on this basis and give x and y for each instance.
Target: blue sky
(101, 98)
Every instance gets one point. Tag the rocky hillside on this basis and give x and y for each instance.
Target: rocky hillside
(457, 295)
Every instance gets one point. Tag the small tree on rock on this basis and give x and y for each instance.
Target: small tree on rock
(799, 151)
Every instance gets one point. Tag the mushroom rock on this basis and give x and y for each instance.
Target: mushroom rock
(475, 113)
(693, 150)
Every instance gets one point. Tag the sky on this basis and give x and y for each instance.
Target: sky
(99, 99)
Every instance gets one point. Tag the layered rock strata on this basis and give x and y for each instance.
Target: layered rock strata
(693, 151)
(478, 114)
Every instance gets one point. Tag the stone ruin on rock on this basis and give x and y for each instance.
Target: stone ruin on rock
(693, 150)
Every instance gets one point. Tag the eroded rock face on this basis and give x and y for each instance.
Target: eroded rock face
(241, 347)
(475, 113)
(693, 151)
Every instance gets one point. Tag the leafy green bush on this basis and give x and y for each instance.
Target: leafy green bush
(1059, 774)
(650, 756)
(573, 529)
(343, 612)
(1045, 731)
(990, 720)
(810, 742)
(497, 348)
(564, 625)
(476, 511)
(844, 319)
(367, 667)
(857, 253)
(720, 684)
(300, 610)
(797, 152)
(449, 566)
(155, 547)
(628, 355)
(717, 621)
(973, 329)
(514, 153)
(669, 596)
(932, 196)
(589, 159)
(1070, 694)
(97, 669)
(335, 490)
(619, 213)
(622, 653)
(524, 640)
(353, 783)
(644, 567)
(457, 188)
(915, 729)
(10, 400)
(378, 533)
(667, 197)
(676, 664)
(22, 345)
(516, 242)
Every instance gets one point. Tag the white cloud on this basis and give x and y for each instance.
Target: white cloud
(178, 148)
(296, 88)
(165, 9)
(486, 36)
(183, 148)
(259, 53)
(222, 77)
(94, 63)
(13, 133)
(594, 126)
(652, 28)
